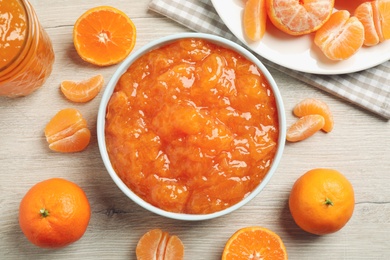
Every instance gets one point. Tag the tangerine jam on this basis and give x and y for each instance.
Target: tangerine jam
(192, 127)
(27, 55)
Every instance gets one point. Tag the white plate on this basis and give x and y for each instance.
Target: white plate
(298, 53)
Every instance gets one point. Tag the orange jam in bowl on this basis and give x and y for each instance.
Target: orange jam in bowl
(191, 128)
(27, 55)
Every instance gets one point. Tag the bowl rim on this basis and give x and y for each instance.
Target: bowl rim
(109, 91)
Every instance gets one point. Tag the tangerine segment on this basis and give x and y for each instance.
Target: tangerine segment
(254, 19)
(104, 36)
(365, 13)
(83, 91)
(305, 127)
(254, 243)
(158, 244)
(341, 36)
(297, 17)
(312, 106)
(384, 17)
(67, 131)
(322, 201)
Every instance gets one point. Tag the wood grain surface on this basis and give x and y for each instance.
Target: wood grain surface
(359, 147)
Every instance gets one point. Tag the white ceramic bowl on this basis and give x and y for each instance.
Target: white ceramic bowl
(110, 88)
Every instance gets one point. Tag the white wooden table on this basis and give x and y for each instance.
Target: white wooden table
(359, 147)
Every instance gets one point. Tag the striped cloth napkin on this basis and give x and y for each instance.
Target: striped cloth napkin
(369, 89)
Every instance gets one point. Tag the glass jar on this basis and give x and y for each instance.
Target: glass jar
(26, 52)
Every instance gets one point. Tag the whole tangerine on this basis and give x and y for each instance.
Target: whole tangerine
(54, 213)
(322, 201)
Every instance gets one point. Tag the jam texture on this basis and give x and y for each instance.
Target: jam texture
(192, 127)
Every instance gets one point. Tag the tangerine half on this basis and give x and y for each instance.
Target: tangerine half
(254, 243)
(297, 17)
(104, 35)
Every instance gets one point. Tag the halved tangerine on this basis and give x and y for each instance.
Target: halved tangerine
(297, 17)
(341, 36)
(254, 243)
(82, 91)
(104, 35)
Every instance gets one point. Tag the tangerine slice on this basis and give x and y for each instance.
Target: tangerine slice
(305, 127)
(383, 7)
(67, 131)
(104, 35)
(254, 19)
(158, 244)
(311, 106)
(254, 243)
(365, 14)
(83, 91)
(341, 36)
(297, 17)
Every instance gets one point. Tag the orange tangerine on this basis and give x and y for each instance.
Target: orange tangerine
(305, 127)
(310, 106)
(104, 35)
(341, 36)
(83, 91)
(254, 19)
(297, 17)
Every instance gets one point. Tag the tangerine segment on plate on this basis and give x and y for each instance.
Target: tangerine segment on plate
(254, 19)
(383, 9)
(341, 36)
(104, 35)
(158, 244)
(83, 91)
(67, 131)
(296, 17)
(305, 127)
(322, 201)
(310, 106)
(365, 14)
(254, 243)
(54, 213)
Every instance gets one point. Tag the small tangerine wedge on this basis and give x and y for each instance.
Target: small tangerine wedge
(341, 36)
(322, 201)
(254, 243)
(67, 131)
(365, 13)
(311, 106)
(104, 36)
(297, 17)
(254, 19)
(158, 244)
(383, 9)
(83, 91)
(54, 213)
(305, 127)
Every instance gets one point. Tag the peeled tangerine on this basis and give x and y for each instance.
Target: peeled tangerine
(341, 36)
(67, 132)
(375, 17)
